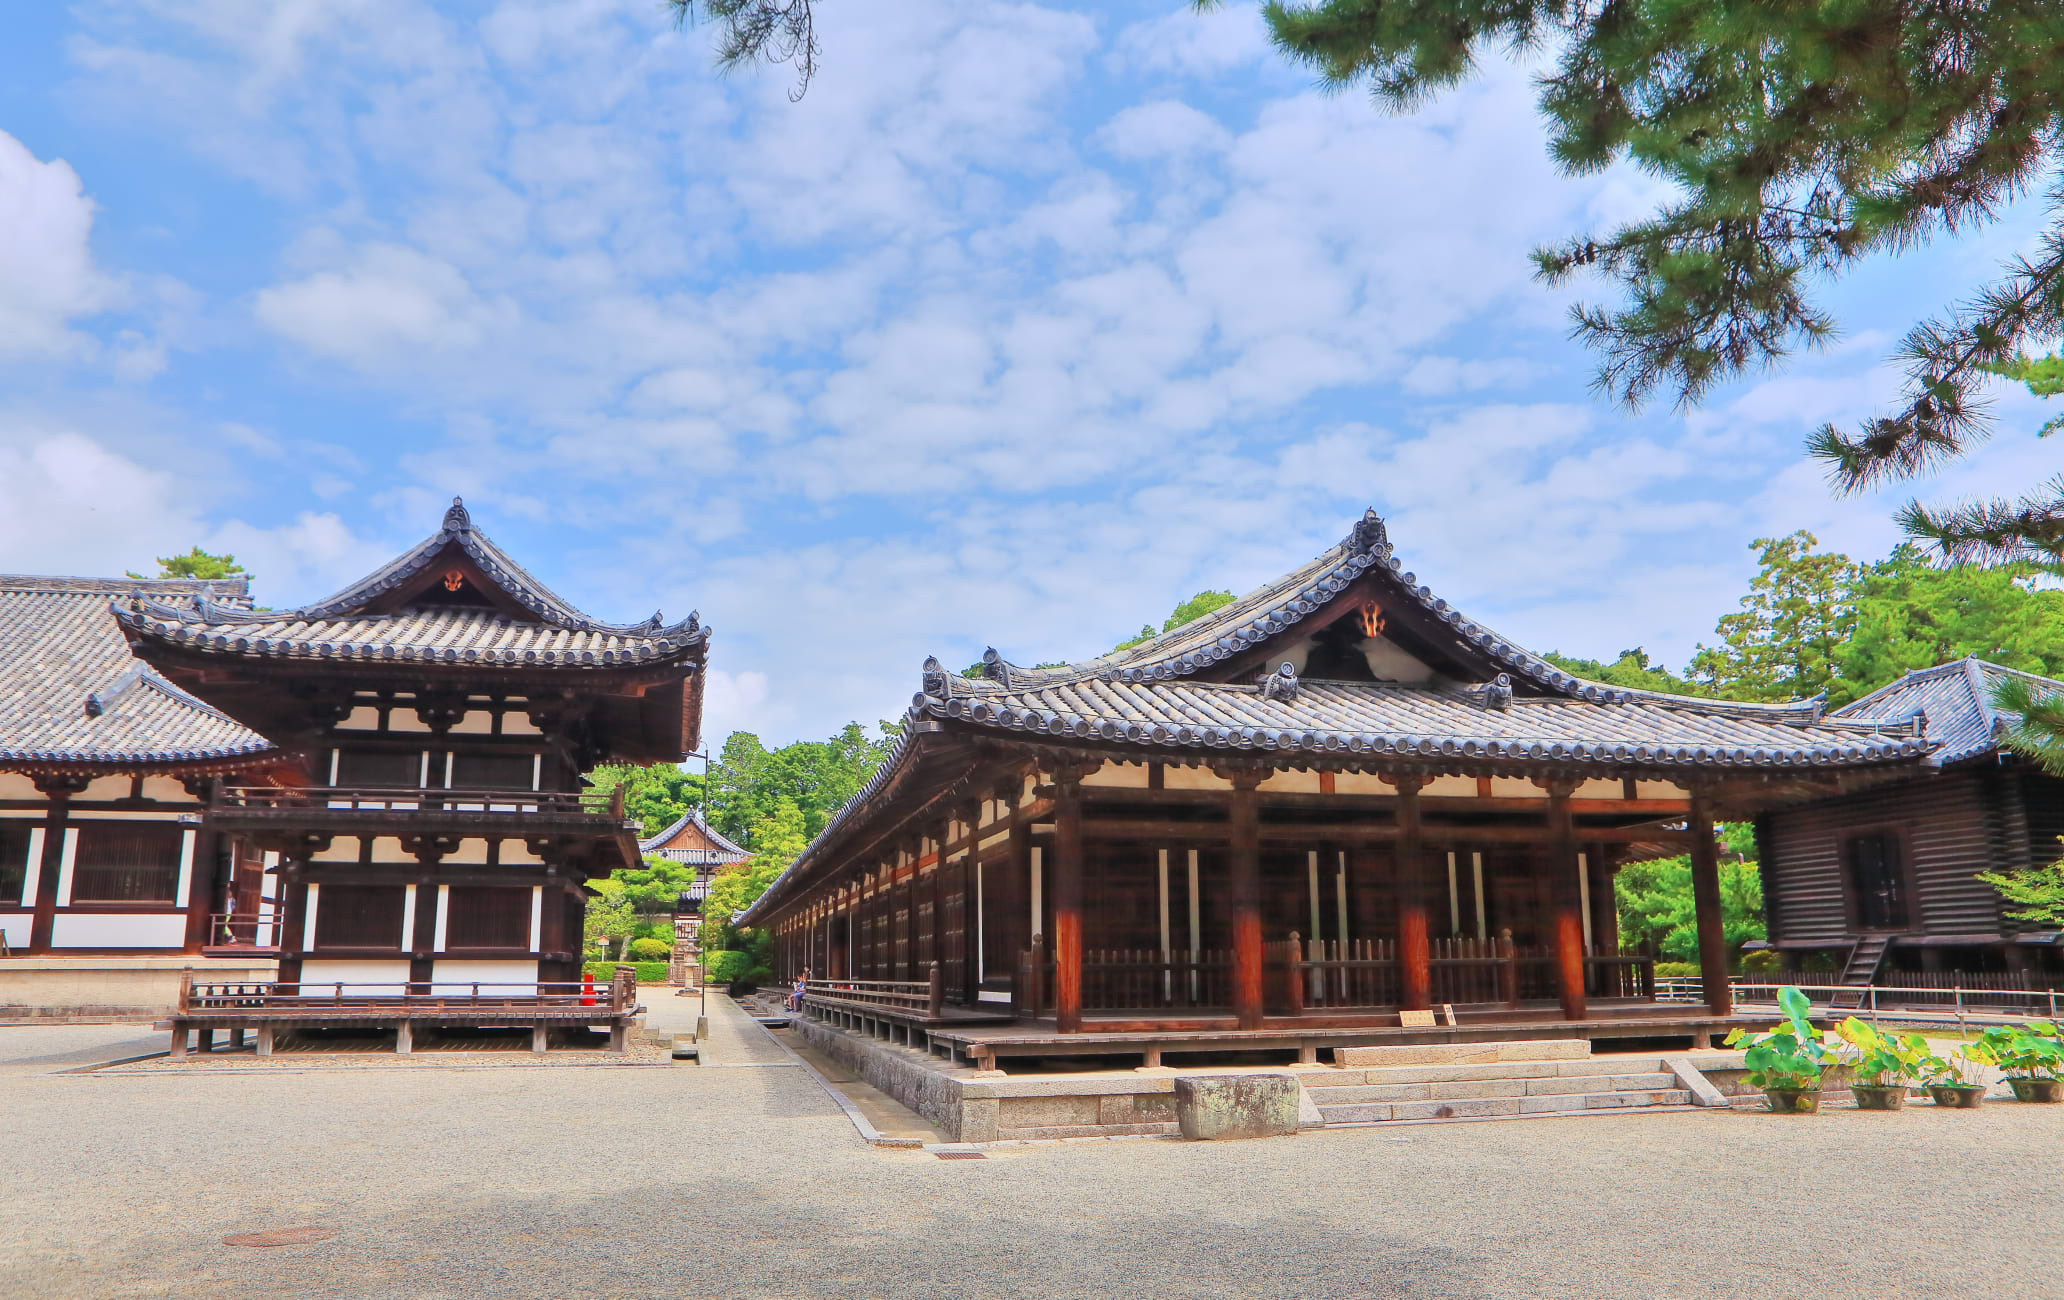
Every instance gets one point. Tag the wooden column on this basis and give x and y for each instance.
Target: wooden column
(1567, 901)
(59, 789)
(1244, 854)
(1414, 940)
(1066, 885)
(1705, 901)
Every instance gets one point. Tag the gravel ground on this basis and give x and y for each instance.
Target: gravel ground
(747, 1182)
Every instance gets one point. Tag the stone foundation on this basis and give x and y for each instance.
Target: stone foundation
(47, 989)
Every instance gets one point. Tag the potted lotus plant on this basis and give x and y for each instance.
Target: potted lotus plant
(2032, 1057)
(1787, 1060)
(1956, 1080)
(1884, 1064)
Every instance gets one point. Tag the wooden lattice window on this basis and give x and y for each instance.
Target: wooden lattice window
(379, 769)
(359, 916)
(126, 862)
(488, 916)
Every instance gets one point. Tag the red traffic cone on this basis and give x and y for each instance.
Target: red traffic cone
(587, 988)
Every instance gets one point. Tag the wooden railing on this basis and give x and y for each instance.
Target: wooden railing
(286, 997)
(259, 931)
(1622, 975)
(288, 799)
(1330, 975)
(1132, 979)
(925, 997)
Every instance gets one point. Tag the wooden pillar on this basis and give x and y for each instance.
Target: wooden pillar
(1067, 900)
(1568, 913)
(58, 789)
(1705, 901)
(1414, 940)
(1244, 855)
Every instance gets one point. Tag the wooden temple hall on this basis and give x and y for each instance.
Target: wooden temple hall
(416, 853)
(1336, 811)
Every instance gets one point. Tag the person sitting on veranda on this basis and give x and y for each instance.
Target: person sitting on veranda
(795, 996)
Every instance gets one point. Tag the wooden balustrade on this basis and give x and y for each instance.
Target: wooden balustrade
(1328, 975)
(287, 997)
(300, 799)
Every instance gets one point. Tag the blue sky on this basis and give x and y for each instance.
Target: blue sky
(1027, 322)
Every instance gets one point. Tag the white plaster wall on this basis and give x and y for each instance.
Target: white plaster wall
(344, 848)
(516, 851)
(363, 717)
(388, 977)
(477, 722)
(13, 785)
(1601, 788)
(492, 976)
(1451, 787)
(105, 787)
(1659, 790)
(387, 848)
(403, 718)
(518, 724)
(16, 928)
(1192, 778)
(1292, 782)
(118, 930)
(469, 851)
(1515, 787)
(167, 789)
(1129, 776)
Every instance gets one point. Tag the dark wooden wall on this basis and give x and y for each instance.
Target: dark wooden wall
(1951, 826)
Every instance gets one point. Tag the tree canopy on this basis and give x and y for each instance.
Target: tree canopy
(1189, 611)
(196, 563)
(1655, 904)
(1797, 140)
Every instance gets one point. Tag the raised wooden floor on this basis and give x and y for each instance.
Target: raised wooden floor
(1116, 1035)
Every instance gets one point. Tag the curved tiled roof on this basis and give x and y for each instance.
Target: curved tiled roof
(1956, 700)
(341, 628)
(1377, 718)
(1146, 697)
(723, 850)
(1264, 613)
(71, 694)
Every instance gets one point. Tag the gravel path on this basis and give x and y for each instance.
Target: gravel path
(748, 1182)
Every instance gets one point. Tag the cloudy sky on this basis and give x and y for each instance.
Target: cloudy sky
(1026, 323)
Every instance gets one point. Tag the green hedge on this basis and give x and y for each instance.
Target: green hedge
(1676, 970)
(649, 972)
(651, 950)
(724, 967)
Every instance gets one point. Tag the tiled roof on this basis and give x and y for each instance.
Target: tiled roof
(1269, 610)
(1146, 697)
(341, 628)
(1956, 700)
(72, 694)
(722, 849)
(1377, 718)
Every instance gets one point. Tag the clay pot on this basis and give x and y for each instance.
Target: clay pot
(2038, 1089)
(1957, 1096)
(1793, 1101)
(1874, 1097)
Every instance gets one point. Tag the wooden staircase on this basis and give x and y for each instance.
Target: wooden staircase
(1860, 971)
(1565, 1080)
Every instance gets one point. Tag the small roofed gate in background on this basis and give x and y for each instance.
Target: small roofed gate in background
(1336, 804)
(692, 841)
(430, 835)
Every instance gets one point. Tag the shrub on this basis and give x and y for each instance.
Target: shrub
(644, 950)
(1761, 962)
(727, 966)
(649, 972)
(1676, 970)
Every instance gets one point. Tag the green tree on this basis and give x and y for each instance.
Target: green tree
(1911, 614)
(1795, 140)
(749, 782)
(778, 840)
(656, 796)
(611, 918)
(1655, 903)
(1783, 642)
(1189, 611)
(197, 563)
(2035, 894)
(1632, 670)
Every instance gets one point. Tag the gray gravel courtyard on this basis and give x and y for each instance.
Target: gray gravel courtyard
(741, 1178)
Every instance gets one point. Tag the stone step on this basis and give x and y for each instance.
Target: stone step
(1489, 1107)
(1593, 1067)
(1542, 1049)
(1475, 1089)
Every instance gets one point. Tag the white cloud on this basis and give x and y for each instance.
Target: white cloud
(392, 308)
(1187, 42)
(47, 275)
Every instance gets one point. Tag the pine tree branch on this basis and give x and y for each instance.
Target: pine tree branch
(760, 31)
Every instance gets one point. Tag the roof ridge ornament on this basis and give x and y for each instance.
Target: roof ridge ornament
(995, 668)
(934, 677)
(1495, 694)
(456, 520)
(1281, 684)
(1369, 534)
